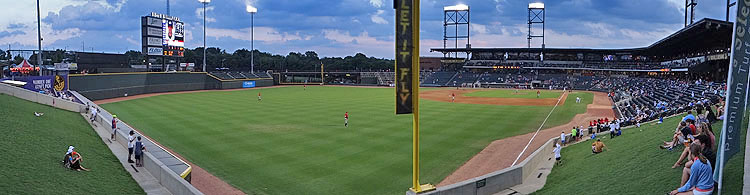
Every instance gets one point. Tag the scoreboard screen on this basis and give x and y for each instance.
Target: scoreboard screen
(162, 35)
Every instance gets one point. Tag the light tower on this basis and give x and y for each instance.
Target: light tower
(690, 5)
(456, 17)
(536, 16)
(204, 2)
(252, 10)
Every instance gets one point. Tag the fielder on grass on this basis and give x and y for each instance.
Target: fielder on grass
(346, 119)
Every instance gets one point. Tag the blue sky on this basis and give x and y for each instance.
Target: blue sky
(341, 27)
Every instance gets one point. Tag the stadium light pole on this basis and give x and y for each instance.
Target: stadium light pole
(204, 2)
(252, 10)
(39, 36)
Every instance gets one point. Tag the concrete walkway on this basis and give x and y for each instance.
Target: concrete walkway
(147, 181)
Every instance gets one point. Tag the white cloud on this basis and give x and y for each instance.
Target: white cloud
(348, 44)
(377, 19)
(376, 3)
(199, 13)
(24, 12)
(600, 29)
(677, 4)
(478, 28)
(265, 34)
(29, 38)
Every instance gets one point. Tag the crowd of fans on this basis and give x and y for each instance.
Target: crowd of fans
(694, 136)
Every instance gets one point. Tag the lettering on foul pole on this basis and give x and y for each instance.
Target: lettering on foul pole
(404, 54)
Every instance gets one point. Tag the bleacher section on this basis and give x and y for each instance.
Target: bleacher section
(240, 75)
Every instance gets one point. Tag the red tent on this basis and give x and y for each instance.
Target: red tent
(25, 64)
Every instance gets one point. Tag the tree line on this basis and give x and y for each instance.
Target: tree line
(293, 61)
(238, 60)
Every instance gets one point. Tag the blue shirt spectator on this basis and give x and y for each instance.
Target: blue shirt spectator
(701, 177)
(689, 116)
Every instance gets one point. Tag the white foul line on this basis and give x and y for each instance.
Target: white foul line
(537, 131)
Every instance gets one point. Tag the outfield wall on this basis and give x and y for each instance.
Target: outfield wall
(112, 85)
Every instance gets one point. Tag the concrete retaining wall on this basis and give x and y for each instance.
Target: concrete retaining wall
(497, 181)
(162, 164)
(42, 98)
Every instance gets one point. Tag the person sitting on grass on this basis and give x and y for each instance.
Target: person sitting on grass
(75, 162)
(701, 177)
(557, 150)
(597, 146)
(687, 134)
(706, 151)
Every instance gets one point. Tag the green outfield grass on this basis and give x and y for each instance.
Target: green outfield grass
(633, 165)
(295, 142)
(511, 93)
(34, 146)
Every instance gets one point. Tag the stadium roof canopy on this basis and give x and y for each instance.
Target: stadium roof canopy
(704, 35)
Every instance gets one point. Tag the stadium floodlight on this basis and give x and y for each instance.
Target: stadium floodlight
(459, 7)
(252, 10)
(204, 2)
(536, 5)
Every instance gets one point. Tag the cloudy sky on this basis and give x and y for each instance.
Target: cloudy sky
(341, 27)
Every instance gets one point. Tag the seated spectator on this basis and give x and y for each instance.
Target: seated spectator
(706, 151)
(75, 162)
(66, 158)
(701, 177)
(597, 146)
(689, 116)
(688, 138)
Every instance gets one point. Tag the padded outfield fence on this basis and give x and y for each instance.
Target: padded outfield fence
(112, 85)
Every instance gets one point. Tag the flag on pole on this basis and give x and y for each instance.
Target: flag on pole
(736, 97)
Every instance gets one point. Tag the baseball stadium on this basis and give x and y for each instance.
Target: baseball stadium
(667, 117)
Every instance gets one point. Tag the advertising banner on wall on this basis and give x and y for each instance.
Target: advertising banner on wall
(48, 83)
(248, 84)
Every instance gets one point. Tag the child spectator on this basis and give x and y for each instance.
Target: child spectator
(557, 153)
(139, 148)
(562, 137)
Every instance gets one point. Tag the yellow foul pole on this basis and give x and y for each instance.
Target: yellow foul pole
(415, 94)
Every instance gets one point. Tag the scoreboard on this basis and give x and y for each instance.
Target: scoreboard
(162, 35)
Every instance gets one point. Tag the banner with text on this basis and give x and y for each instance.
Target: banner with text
(45, 83)
(737, 84)
(404, 54)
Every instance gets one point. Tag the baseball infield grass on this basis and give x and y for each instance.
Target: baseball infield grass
(633, 165)
(34, 146)
(295, 142)
(511, 93)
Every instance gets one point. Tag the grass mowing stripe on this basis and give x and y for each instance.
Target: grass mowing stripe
(39, 143)
(294, 141)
